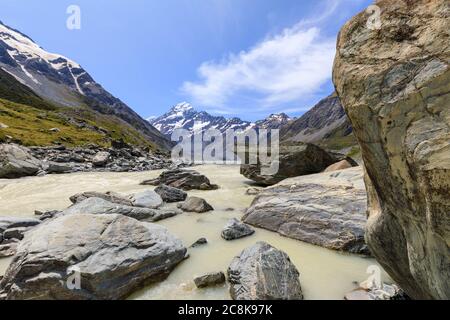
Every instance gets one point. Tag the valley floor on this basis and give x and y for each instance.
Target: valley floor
(324, 274)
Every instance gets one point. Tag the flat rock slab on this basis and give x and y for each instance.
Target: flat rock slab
(100, 206)
(327, 209)
(112, 255)
(235, 229)
(262, 272)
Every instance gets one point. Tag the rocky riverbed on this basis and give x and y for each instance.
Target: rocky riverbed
(324, 274)
(19, 161)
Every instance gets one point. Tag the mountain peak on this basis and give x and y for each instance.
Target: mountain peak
(182, 107)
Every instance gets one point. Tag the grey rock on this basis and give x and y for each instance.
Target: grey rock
(294, 160)
(182, 179)
(46, 215)
(3, 126)
(195, 204)
(200, 242)
(252, 191)
(55, 167)
(394, 85)
(326, 209)
(210, 280)
(17, 162)
(100, 206)
(101, 158)
(15, 222)
(108, 196)
(262, 272)
(235, 229)
(146, 199)
(170, 194)
(15, 233)
(114, 254)
(8, 249)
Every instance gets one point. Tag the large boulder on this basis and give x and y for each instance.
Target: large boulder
(262, 272)
(394, 83)
(294, 160)
(112, 255)
(326, 209)
(101, 206)
(17, 162)
(182, 179)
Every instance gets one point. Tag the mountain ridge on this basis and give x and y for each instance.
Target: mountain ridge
(64, 83)
(185, 116)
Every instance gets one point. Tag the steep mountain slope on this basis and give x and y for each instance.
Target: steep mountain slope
(325, 124)
(28, 119)
(64, 83)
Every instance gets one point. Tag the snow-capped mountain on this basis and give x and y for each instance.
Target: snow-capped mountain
(184, 116)
(63, 82)
(274, 121)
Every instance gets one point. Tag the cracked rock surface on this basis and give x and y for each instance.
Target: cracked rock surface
(394, 84)
(114, 255)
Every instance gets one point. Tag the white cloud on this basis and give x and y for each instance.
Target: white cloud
(279, 70)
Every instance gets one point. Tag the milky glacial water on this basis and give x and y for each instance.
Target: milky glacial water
(324, 274)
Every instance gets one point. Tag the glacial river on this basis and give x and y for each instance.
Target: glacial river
(324, 274)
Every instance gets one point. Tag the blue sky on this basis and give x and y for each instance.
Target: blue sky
(245, 58)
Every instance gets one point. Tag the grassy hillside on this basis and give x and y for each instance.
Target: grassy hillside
(30, 119)
(32, 126)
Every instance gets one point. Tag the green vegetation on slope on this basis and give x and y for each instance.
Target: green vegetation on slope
(30, 119)
(13, 90)
(32, 126)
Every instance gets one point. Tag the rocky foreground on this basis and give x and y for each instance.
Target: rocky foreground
(19, 161)
(394, 84)
(114, 255)
(327, 209)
